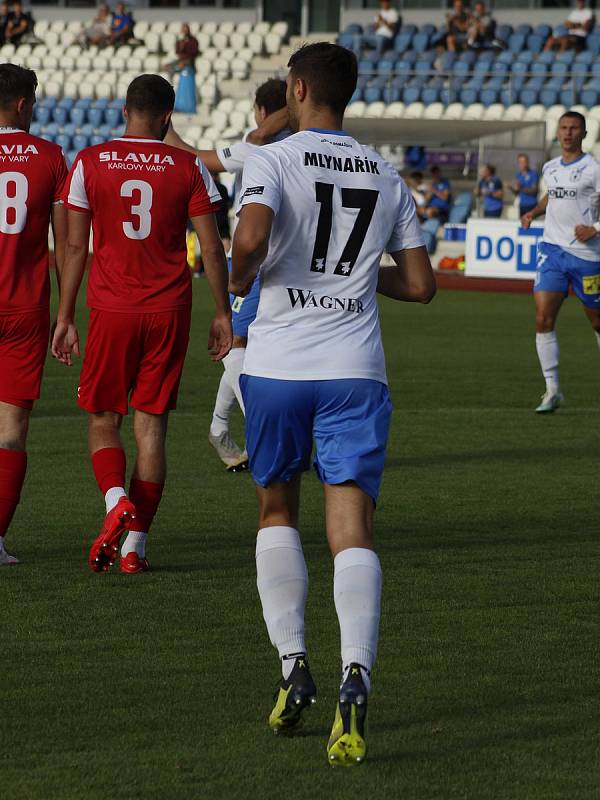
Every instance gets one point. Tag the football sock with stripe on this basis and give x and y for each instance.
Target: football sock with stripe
(357, 595)
(224, 404)
(13, 466)
(548, 354)
(109, 466)
(282, 580)
(234, 365)
(146, 497)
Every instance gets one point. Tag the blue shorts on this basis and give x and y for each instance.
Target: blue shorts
(348, 419)
(243, 309)
(557, 270)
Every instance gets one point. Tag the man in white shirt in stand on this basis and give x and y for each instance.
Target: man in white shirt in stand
(578, 24)
(386, 27)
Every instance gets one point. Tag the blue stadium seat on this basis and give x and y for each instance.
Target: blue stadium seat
(422, 68)
(460, 208)
(520, 68)
(42, 113)
(542, 30)
(362, 81)
(579, 71)
(516, 42)
(84, 102)
(548, 97)
(499, 68)
(483, 66)
(430, 95)
(346, 40)
(430, 241)
(35, 129)
(97, 139)
(410, 55)
(105, 131)
(372, 94)
(559, 69)
(528, 97)
(63, 141)
(52, 129)
(87, 130)
(555, 83)
(527, 56)
(468, 57)
(568, 97)
(488, 96)
(505, 57)
(535, 43)
(118, 102)
(509, 96)
(568, 57)
(432, 225)
(60, 115)
(353, 27)
(402, 42)
(386, 66)
(461, 68)
(546, 57)
(47, 136)
(585, 57)
(411, 94)
(504, 32)
(525, 29)
(48, 102)
(420, 42)
(412, 29)
(469, 96)
(537, 68)
(473, 83)
(95, 116)
(69, 129)
(495, 83)
(392, 94)
(428, 28)
(80, 141)
(448, 60)
(358, 94)
(403, 68)
(78, 116)
(71, 156)
(589, 97)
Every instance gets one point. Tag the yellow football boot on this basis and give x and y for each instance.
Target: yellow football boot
(346, 746)
(293, 695)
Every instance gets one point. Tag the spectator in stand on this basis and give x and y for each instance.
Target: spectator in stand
(418, 189)
(455, 36)
(186, 50)
(98, 32)
(437, 198)
(4, 17)
(481, 28)
(387, 23)
(578, 24)
(20, 23)
(526, 185)
(121, 26)
(491, 189)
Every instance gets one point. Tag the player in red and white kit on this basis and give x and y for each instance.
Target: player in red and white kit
(32, 177)
(137, 193)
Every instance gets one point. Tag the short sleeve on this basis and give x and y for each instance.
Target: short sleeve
(205, 198)
(62, 173)
(75, 194)
(407, 232)
(261, 182)
(234, 157)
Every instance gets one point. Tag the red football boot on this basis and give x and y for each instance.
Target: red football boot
(132, 563)
(105, 549)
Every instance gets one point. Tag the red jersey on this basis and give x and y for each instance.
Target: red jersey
(140, 194)
(32, 178)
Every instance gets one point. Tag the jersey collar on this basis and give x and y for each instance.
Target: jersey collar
(7, 129)
(325, 130)
(570, 163)
(132, 139)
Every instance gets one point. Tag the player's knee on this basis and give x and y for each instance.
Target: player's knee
(16, 443)
(104, 419)
(544, 323)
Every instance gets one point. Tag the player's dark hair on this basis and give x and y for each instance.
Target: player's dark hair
(330, 72)
(574, 115)
(150, 95)
(16, 82)
(270, 95)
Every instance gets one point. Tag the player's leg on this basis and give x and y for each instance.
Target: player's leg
(351, 430)
(593, 314)
(234, 458)
(146, 486)
(585, 279)
(14, 422)
(279, 436)
(550, 289)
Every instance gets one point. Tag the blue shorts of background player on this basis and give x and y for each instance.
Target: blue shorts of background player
(348, 419)
(557, 270)
(243, 309)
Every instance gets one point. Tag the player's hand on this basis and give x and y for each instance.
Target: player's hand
(65, 342)
(583, 233)
(526, 219)
(240, 289)
(220, 337)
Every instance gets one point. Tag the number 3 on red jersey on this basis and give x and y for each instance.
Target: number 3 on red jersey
(141, 210)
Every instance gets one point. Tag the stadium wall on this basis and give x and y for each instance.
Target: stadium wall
(194, 13)
(436, 16)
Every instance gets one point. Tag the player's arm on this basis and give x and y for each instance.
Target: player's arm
(58, 220)
(209, 158)
(535, 212)
(411, 279)
(271, 126)
(220, 337)
(250, 246)
(65, 341)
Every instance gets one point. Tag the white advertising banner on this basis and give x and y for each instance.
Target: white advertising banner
(501, 248)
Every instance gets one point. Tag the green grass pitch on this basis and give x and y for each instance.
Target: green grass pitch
(117, 687)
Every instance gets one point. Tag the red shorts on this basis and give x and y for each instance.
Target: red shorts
(135, 358)
(23, 348)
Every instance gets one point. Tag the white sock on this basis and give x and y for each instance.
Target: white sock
(597, 338)
(548, 352)
(135, 542)
(357, 595)
(282, 580)
(224, 403)
(234, 365)
(112, 497)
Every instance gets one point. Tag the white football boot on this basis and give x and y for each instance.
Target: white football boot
(6, 559)
(234, 458)
(550, 402)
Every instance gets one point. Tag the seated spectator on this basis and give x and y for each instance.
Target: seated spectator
(437, 198)
(455, 35)
(387, 23)
(121, 26)
(186, 50)
(526, 185)
(4, 17)
(20, 24)
(418, 190)
(481, 28)
(490, 188)
(98, 32)
(578, 24)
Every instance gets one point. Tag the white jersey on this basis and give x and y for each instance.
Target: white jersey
(573, 199)
(338, 205)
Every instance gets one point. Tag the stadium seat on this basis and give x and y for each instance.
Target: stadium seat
(402, 42)
(114, 116)
(535, 43)
(414, 110)
(493, 111)
(430, 96)
(454, 111)
(548, 97)
(535, 113)
(469, 96)
(568, 97)
(430, 241)
(80, 141)
(516, 42)
(410, 95)
(515, 111)
(489, 97)
(420, 42)
(474, 111)
(433, 110)
(394, 111)
(589, 97)
(460, 209)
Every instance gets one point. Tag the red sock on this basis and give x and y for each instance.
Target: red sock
(145, 496)
(13, 465)
(109, 467)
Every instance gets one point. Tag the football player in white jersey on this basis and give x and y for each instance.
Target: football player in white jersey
(569, 253)
(270, 114)
(317, 211)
